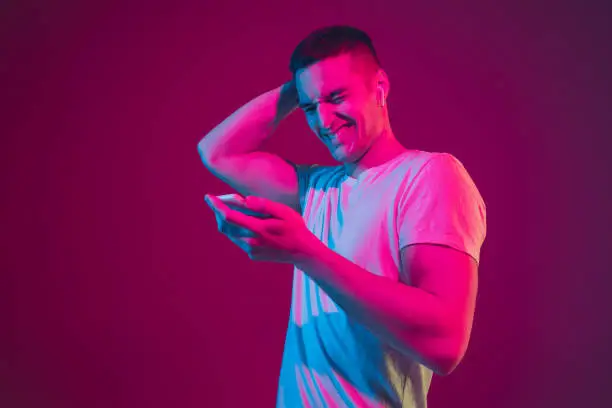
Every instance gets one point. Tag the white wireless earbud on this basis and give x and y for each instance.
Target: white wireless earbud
(382, 96)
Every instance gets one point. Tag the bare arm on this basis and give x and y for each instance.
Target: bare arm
(231, 151)
(430, 322)
(426, 313)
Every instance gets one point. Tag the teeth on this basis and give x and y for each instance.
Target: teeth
(335, 133)
(340, 128)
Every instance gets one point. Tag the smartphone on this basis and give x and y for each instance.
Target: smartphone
(236, 202)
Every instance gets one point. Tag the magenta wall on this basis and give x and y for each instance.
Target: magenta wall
(117, 291)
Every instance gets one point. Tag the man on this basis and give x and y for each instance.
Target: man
(385, 245)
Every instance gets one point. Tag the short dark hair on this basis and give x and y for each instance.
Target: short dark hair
(328, 42)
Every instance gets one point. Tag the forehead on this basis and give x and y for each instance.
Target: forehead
(342, 71)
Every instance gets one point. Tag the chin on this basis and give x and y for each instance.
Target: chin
(340, 154)
(347, 155)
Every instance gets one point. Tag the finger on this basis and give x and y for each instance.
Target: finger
(235, 231)
(216, 204)
(225, 227)
(247, 244)
(235, 217)
(236, 199)
(264, 205)
(212, 201)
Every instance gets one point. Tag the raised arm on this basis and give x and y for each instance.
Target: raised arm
(231, 151)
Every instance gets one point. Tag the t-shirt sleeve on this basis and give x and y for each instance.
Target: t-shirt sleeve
(302, 171)
(442, 206)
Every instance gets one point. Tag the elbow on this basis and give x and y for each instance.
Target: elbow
(206, 155)
(441, 349)
(445, 366)
(448, 357)
(441, 360)
(203, 153)
(449, 352)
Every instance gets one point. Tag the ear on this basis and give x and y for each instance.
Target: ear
(382, 87)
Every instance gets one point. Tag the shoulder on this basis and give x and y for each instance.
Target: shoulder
(435, 160)
(423, 167)
(417, 160)
(440, 167)
(440, 175)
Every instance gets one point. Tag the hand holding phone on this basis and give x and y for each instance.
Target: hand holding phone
(236, 202)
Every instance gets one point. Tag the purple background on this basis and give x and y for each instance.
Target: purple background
(116, 289)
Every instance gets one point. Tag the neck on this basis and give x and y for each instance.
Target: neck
(383, 149)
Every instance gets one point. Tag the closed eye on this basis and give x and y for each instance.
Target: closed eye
(335, 98)
(307, 107)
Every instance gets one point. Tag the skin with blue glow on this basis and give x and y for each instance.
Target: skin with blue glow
(343, 99)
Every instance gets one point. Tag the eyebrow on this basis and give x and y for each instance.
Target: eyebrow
(332, 94)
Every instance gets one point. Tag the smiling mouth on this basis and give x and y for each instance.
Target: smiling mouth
(333, 135)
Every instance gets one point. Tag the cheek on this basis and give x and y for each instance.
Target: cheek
(310, 120)
(372, 117)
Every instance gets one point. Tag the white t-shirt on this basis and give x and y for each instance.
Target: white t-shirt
(418, 197)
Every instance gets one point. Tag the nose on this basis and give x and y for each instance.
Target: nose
(325, 118)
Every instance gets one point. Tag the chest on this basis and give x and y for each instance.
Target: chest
(356, 222)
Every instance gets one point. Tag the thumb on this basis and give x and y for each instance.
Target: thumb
(265, 206)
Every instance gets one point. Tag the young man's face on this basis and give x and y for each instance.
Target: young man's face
(338, 97)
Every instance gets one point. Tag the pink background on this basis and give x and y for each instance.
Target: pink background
(116, 288)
